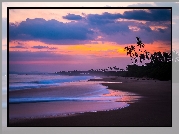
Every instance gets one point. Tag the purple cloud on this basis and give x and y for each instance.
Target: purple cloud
(40, 47)
(18, 46)
(72, 17)
(44, 47)
(52, 48)
(113, 28)
(94, 25)
(147, 35)
(150, 15)
(40, 29)
(105, 18)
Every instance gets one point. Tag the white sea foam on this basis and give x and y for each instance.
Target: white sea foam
(19, 82)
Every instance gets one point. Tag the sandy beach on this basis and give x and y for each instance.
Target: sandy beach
(154, 108)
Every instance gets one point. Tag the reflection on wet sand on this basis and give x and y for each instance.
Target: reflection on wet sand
(68, 99)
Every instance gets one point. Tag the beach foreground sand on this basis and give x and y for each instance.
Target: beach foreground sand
(153, 109)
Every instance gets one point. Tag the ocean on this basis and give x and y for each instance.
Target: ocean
(24, 81)
(51, 95)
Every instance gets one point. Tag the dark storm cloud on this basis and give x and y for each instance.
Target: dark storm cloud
(150, 15)
(102, 19)
(72, 17)
(108, 24)
(39, 29)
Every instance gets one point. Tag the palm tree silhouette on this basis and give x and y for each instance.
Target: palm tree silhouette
(137, 38)
(139, 43)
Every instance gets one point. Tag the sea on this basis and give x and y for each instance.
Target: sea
(52, 95)
(24, 81)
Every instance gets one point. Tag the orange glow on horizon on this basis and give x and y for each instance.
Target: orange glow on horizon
(105, 49)
(158, 46)
(100, 49)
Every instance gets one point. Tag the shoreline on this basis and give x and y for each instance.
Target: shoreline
(153, 109)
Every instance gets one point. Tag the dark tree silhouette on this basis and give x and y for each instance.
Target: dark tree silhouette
(159, 66)
(131, 50)
(139, 43)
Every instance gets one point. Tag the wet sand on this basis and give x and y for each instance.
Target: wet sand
(153, 109)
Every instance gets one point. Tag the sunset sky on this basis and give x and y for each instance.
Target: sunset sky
(51, 40)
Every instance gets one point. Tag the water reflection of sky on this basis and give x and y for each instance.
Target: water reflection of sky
(72, 97)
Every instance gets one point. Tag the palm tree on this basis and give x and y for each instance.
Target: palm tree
(110, 68)
(139, 43)
(122, 69)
